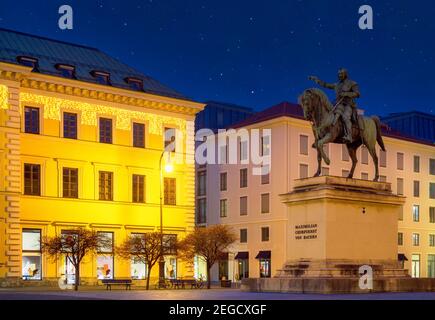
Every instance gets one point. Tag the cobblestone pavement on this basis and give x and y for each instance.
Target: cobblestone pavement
(212, 294)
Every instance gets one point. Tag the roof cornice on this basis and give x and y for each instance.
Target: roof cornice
(76, 88)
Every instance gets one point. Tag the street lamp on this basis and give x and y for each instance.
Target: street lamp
(168, 168)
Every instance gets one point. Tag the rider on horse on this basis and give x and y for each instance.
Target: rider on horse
(346, 92)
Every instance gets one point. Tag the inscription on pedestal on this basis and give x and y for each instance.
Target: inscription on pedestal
(306, 231)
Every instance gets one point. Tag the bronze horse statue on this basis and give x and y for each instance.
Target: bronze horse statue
(319, 111)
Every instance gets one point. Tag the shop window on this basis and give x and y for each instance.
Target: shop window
(31, 255)
(105, 257)
(265, 271)
(138, 269)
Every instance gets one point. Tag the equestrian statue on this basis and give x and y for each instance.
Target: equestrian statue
(340, 123)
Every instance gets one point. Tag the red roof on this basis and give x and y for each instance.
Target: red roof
(284, 109)
(292, 110)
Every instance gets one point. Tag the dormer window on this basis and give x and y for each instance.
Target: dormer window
(101, 77)
(135, 83)
(28, 62)
(66, 70)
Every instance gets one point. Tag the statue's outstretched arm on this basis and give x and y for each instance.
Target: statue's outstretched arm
(322, 83)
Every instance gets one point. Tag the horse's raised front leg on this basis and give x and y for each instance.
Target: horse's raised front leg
(352, 153)
(319, 163)
(326, 139)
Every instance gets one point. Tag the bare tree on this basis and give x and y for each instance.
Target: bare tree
(208, 243)
(146, 248)
(75, 245)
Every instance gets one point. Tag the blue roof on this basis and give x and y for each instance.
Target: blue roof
(50, 52)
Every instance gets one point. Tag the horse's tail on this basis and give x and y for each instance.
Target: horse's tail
(378, 132)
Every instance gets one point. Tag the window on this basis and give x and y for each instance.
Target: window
(243, 146)
(399, 161)
(432, 240)
(416, 189)
(201, 211)
(325, 171)
(265, 234)
(201, 189)
(243, 178)
(31, 120)
(31, 254)
(364, 155)
(220, 118)
(169, 244)
(303, 145)
(400, 186)
(105, 257)
(169, 139)
(32, 179)
(400, 239)
(265, 268)
(382, 178)
(364, 176)
(223, 154)
(243, 206)
(223, 208)
(432, 190)
(138, 135)
(265, 203)
(383, 159)
(134, 83)
(28, 62)
(138, 188)
(416, 164)
(106, 185)
(101, 77)
(243, 235)
(265, 146)
(70, 183)
(70, 125)
(138, 269)
(432, 214)
(416, 213)
(105, 130)
(415, 239)
(415, 266)
(345, 173)
(170, 191)
(432, 166)
(265, 174)
(66, 70)
(303, 171)
(431, 266)
(223, 181)
(344, 153)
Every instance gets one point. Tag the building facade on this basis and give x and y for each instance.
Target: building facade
(251, 203)
(219, 115)
(81, 137)
(416, 124)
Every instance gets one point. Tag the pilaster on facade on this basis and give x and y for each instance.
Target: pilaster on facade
(12, 182)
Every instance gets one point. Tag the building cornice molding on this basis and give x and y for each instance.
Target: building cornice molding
(77, 88)
(97, 95)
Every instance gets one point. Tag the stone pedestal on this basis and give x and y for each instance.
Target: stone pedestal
(335, 226)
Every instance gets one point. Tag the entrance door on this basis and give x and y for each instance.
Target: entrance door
(243, 268)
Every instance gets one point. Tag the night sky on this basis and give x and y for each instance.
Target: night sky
(255, 53)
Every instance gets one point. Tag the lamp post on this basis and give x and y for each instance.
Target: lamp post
(168, 168)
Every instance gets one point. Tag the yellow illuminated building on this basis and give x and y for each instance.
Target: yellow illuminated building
(81, 136)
